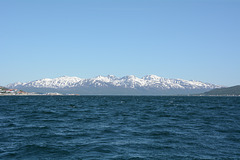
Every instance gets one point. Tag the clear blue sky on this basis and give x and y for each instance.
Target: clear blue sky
(188, 39)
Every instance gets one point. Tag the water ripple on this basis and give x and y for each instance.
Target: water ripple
(119, 127)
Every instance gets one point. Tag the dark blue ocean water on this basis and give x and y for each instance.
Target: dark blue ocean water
(119, 127)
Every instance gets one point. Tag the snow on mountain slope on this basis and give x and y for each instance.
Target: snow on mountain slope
(60, 82)
(133, 82)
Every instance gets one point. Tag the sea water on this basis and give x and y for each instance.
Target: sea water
(119, 127)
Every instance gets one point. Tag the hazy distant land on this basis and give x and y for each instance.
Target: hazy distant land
(112, 85)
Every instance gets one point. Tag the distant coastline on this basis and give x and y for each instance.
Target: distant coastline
(15, 92)
(112, 85)
(225, 91)
(219, 92)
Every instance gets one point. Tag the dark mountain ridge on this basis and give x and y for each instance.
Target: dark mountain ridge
(228, 91)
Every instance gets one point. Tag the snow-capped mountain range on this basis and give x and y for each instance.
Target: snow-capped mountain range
(150, 84)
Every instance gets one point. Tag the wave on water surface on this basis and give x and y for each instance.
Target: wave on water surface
(119, 127)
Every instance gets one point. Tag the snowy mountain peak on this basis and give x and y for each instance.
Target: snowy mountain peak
(151, 77)
(67, 77)
(148, 83)
(111, 77)
(129, 77)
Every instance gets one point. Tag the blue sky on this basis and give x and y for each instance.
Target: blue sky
(188, 39)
